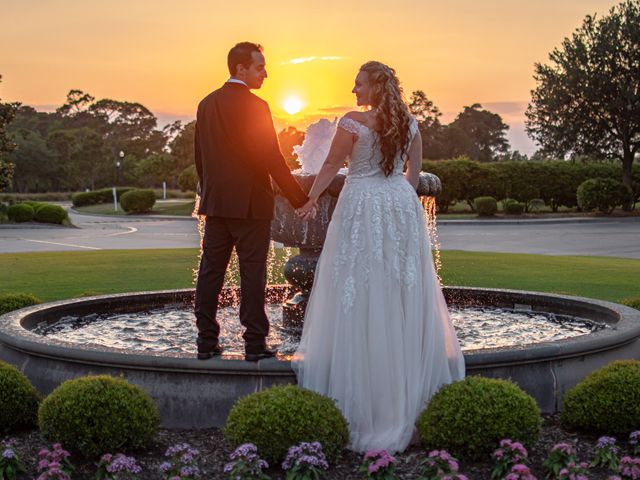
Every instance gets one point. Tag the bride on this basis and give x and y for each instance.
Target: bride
(377, 336)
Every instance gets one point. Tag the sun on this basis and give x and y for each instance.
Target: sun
(292, 105)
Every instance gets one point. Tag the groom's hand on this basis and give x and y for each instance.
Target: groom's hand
(308, 210)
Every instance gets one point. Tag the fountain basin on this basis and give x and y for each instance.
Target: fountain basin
(197, 394)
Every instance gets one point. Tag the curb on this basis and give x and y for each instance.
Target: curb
(536, 221)
(132, 217)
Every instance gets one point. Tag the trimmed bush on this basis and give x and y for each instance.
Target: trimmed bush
(469, 418)
(279, 417)
(512, 207)
(20, 212)
(14, 301)
(485, 206)
(633, 302)
(138, 201)
(607, 400)
(104, 195)
(18, 399)
(47, 213)
(605, 194)
(96, 414)
(33, 204)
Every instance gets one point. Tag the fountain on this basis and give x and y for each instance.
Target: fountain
(196, 394)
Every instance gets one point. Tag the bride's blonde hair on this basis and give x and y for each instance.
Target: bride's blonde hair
(392, 114)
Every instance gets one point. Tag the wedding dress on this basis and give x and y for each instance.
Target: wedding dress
(377, 336)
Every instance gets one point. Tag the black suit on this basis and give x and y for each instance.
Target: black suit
(236, 155)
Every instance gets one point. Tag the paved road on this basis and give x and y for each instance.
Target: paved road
(101, 233)
(606, 237)
(601, 237)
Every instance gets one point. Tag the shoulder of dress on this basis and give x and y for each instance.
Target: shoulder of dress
(413, 126)
(348, 123)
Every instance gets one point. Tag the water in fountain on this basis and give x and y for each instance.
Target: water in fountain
(477, 327)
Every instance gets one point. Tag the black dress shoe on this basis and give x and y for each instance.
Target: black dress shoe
(255, 354)
(214, 352)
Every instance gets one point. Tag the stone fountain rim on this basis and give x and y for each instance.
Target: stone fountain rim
(625, 329)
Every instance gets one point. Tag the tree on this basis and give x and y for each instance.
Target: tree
(428, 117)
(151, 171)
(89, 163)
(182, 146)
(7, 113)
(424, 110)
(35, 165)
(128, 126)
(77, 102)
(486, 133)
(587, 100)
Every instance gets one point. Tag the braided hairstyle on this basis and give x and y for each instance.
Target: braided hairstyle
(391, 112)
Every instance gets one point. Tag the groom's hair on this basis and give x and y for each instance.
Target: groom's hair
(241, 54)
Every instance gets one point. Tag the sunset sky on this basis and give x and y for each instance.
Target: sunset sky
(167, 55)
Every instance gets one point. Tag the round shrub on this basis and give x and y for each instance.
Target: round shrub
(104, 195)
(633, 302)
(96, 414)
(82, 199)
(513, 208)
(280, 417)
(605, 194)
(469, 418)
(138, 201)
(14, 301)
(20, 212)
(607, 400)
(18, 399)
(51, 214)
(485, 206)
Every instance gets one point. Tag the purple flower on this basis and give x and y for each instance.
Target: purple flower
(566, 448)
(606, 442)
(8, 453)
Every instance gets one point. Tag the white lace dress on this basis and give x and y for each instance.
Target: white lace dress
(377, 336)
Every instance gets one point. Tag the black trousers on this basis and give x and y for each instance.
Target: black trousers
(251, 239)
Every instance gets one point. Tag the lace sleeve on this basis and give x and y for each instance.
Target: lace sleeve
(349, 125)
(413, 129)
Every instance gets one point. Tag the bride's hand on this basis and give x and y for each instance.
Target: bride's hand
(308, 210)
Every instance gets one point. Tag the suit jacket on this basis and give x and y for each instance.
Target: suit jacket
(236, 151)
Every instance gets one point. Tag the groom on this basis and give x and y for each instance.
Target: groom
(236, 155)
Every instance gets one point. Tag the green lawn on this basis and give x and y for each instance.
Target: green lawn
(177, 207)
(59, 275)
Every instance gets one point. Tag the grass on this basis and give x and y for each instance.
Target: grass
(60, 275)
(177, 207)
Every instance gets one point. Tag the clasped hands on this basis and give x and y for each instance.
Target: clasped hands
(308, 210)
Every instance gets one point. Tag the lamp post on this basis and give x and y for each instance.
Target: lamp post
(119, 164)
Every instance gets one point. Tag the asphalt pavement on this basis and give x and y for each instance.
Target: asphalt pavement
(615, 237)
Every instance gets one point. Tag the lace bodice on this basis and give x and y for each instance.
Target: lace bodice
(366, 154)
